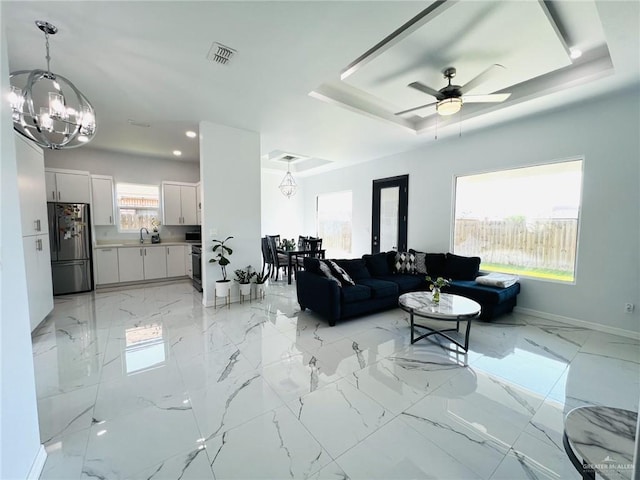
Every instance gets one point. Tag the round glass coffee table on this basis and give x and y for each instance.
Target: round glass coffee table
(451, 308)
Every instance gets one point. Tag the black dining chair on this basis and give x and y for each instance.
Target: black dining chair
(267, 257)
(280, 260)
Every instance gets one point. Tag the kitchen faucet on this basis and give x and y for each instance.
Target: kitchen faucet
(142, 239)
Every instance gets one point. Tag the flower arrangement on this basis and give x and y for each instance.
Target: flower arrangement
(222, 256)
(288, 244)
(244, 276)
(435, 286)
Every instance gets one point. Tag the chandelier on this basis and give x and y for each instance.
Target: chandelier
(47, 108)
(288, 185)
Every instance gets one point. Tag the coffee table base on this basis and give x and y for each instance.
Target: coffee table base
(442, 333)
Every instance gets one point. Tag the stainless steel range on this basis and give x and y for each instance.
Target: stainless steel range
(196, 259)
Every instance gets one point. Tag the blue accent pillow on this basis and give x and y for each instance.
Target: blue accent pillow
(462, 268)
(355, 267)
(378, 263)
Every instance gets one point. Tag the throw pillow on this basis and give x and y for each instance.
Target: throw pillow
(421, 265)
(377, 264)
(326, 271)
(355, 267)
(338, 272)
(405, 262)
(435, 263)
(462, 268)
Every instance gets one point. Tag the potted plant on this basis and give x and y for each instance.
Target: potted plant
(222, 254)
(243, 277)
(288, 244)
(262, 282)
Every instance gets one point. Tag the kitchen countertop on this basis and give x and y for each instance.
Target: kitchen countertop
(112, 244)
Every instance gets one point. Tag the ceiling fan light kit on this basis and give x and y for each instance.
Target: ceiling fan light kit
(47, 108)
(449, 106)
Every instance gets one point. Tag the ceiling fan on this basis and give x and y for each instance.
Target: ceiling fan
(450, 98)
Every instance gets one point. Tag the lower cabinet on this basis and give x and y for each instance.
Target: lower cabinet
(107, 266)
(37, 262)
(155, 262)
(176, 266)
(130, 264)
(135, 264)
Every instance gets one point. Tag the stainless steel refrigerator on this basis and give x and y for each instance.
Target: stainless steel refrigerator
(70, 240)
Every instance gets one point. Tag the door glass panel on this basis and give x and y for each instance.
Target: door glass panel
(389, 211)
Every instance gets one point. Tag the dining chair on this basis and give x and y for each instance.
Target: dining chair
(280, 260)
(267, 257)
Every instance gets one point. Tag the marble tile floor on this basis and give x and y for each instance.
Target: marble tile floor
(146, 383)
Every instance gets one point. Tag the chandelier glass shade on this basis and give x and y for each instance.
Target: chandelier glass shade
(288, 185)
(47, 108)
(449, 106)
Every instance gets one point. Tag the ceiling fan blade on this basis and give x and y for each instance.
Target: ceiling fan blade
(491, 98)
(428, 90)
(415, 108)
(490, 72)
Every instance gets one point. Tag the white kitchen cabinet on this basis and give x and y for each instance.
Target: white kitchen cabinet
(176, 264)
(130, 264)
(155, 262)
(199, 203)
(37, 262)
(102, 205)
(107, 265)
(67, 186)
(31, 188)
(179, 204)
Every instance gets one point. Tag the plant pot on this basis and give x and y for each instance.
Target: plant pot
(261, 289)
(245, 289)
(223, 289)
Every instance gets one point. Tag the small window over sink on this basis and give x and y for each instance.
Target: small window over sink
(138, 206)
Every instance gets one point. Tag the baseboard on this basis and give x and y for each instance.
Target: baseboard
(38, 464)
(579, 323)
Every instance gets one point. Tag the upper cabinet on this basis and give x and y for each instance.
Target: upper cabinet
(179, 204)
(102, 196)
(66, 186)
(31, 188)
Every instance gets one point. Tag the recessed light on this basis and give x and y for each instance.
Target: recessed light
(177, 153)
(191, 134)
(575, 53)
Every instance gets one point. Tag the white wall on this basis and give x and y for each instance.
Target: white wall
(230, 173)
(604, 131)
(281, 215)
(126, 168)
(19, 432)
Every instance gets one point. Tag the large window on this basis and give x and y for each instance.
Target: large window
(522, 221)
(334, 220)
(138, 206)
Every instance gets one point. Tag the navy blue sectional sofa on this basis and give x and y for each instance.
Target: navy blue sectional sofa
(378, 284)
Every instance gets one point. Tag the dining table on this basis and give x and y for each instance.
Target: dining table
(295, 253)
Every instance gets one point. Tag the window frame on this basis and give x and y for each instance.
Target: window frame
(576, 158)
(157, 209)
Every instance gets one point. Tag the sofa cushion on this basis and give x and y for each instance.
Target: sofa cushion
(405, 262)
(339, 272)
(435, 263)
(326, 271)
(378, 263)
(462, 268)
(355, 267)
(312, 265)
(380, 288)
(355, 293)
(405, 281)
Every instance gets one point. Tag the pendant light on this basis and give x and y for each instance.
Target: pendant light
(47, 108)
(288, 185)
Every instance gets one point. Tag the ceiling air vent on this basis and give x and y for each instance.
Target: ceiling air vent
(218, 53)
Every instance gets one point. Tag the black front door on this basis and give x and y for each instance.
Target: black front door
(390, 210)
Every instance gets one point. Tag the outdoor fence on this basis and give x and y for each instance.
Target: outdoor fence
(545, 243)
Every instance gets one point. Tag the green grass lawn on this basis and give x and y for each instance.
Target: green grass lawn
(559, 275)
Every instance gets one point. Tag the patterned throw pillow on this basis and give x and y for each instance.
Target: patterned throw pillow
(421, 264)
(326, 271)
(405, 262)
(340, 273)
